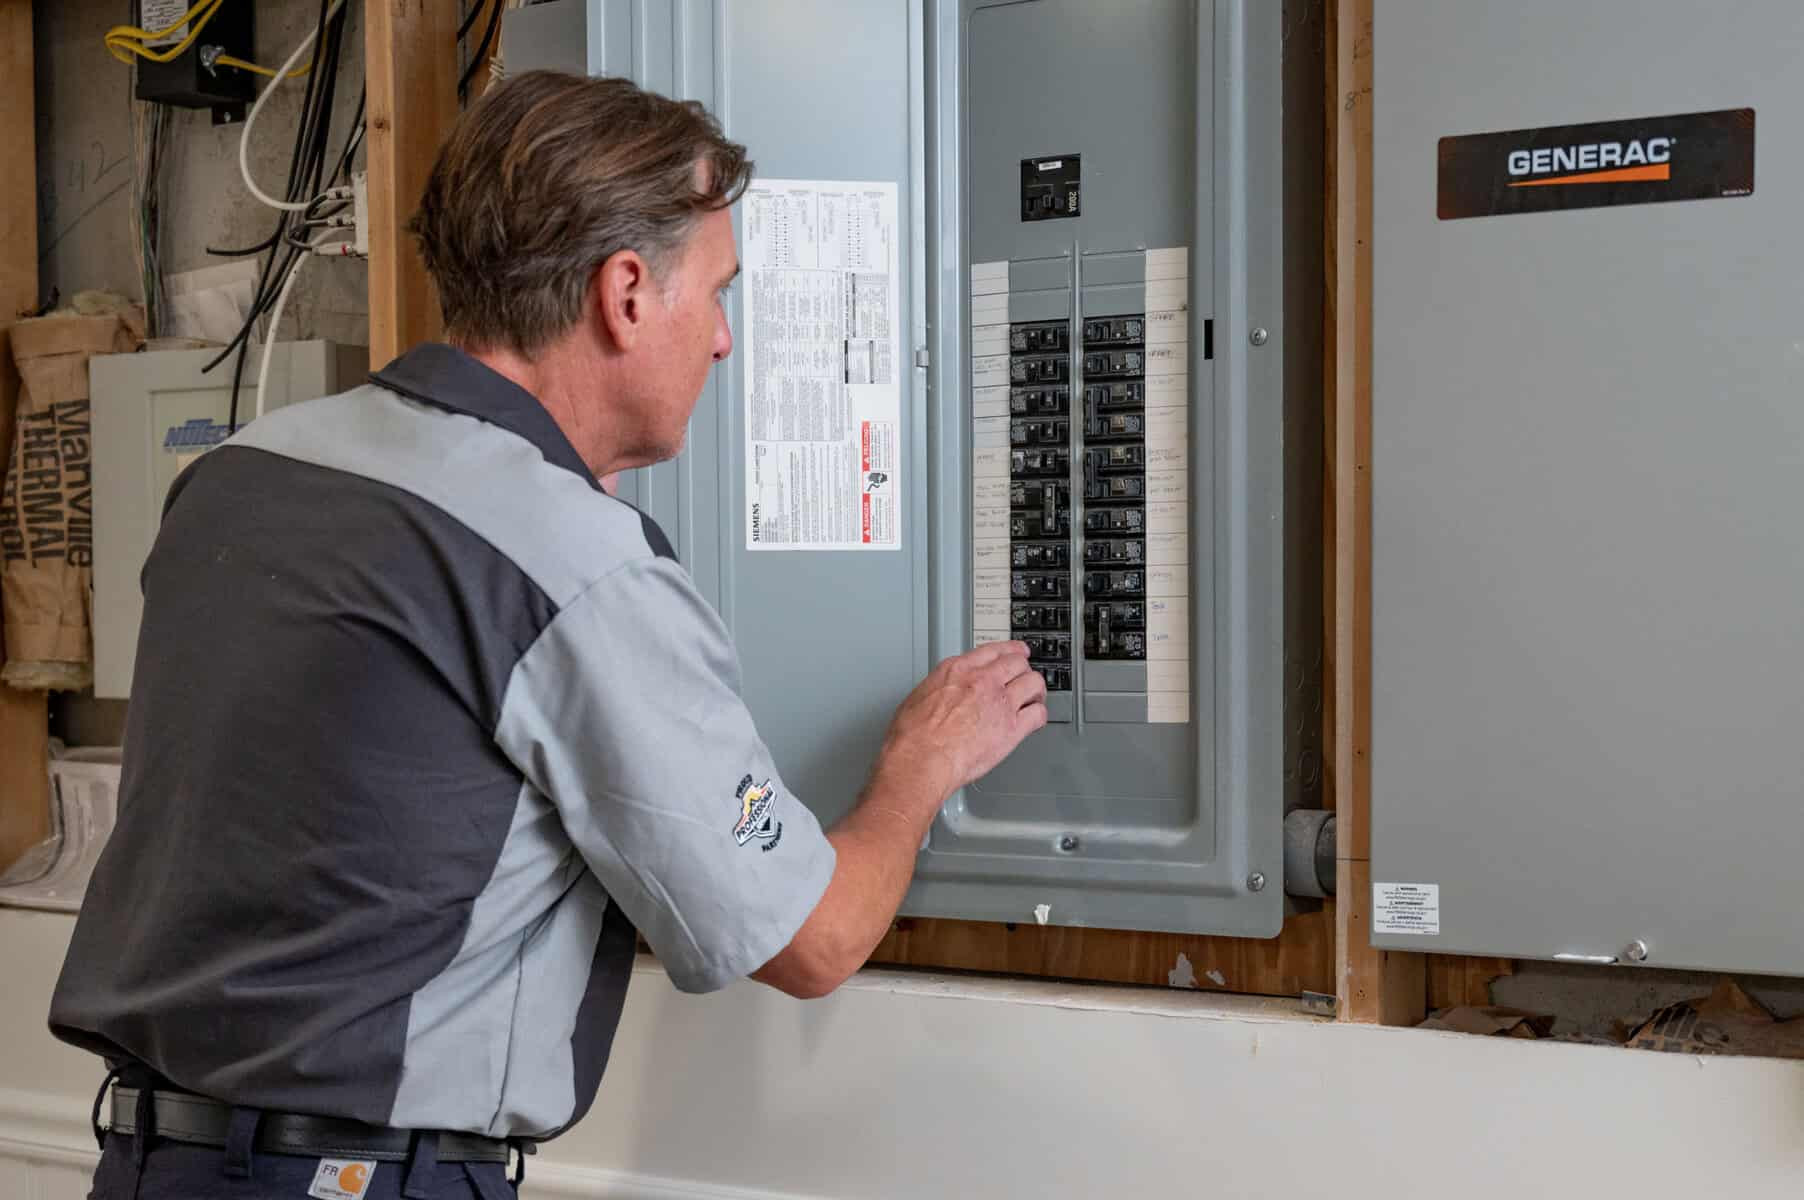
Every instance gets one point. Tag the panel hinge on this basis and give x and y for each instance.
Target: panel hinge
(923, 357)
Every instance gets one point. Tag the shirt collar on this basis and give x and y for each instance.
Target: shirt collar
(447, 378)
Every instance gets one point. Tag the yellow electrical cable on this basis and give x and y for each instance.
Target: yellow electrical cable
(132, 31)
(123, 41)
(227, 60)
(126, 41)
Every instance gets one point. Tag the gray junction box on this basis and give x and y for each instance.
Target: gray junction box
(153, 414)
(1077, 404)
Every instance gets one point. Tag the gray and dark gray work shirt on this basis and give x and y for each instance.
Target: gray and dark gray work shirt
(425, 724)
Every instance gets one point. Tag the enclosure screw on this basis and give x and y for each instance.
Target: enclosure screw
(1635, 951)
(1259, 337)
(1068, 842)
(1255, 882)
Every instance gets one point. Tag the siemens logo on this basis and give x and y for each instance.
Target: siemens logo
(1591, 156)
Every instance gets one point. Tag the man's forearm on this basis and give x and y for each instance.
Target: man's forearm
(962, 720)
(875, 845)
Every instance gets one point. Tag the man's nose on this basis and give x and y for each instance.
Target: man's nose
(723, 336)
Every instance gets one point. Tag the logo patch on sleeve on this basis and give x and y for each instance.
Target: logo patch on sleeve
(757, 814)
(341, 1179)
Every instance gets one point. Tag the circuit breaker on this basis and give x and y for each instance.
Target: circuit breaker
(1027, 346)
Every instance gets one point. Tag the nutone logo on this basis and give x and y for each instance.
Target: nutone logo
(1642, 160)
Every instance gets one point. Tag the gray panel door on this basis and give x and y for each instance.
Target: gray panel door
(1120, 822)
(1588, 656)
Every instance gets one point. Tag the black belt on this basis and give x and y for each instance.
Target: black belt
(182, 1117)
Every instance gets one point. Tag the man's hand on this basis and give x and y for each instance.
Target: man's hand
(962, 720)
(966, 716)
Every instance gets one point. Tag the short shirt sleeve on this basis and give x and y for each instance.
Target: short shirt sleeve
(626, 713)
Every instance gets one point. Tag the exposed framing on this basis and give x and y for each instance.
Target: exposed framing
(24, 719)
(410, 55)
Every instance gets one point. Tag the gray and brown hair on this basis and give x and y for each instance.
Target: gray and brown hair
(544, 179)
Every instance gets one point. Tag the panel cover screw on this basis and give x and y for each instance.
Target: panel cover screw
(1256, 882)
(1259, 337)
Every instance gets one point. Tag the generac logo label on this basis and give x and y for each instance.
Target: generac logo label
(1645, 160)
(1638, 161)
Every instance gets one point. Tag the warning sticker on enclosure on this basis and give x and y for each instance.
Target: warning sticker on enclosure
(821, 342)
(1406, 908)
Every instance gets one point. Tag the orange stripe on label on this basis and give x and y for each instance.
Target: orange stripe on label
(1651, 173)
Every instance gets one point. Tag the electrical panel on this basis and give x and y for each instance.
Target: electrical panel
(153, 414)
(1103, 435)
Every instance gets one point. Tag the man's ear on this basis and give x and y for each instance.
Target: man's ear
(620, 289)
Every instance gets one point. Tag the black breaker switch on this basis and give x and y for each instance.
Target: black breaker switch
(1104, 551)
(1039, 433)
(1114, 520)
(1040, 616)
(1043, 369)
(1025, 402)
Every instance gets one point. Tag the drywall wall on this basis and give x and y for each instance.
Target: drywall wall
(910, 1086)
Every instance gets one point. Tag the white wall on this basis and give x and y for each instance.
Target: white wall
(914, 1086)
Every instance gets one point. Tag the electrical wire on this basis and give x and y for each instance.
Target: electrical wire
(354, 139)
(250, 119)
(230, 60)
(482, 48)
(151, 127)
(128, 42)
(269, 343)
(308, 187)
(463, 30)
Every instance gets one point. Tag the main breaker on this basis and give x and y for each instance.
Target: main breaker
(1028, 346)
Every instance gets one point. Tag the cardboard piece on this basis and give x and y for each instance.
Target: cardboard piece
(46, 503)
(1490, 1021)
(1727, 1021)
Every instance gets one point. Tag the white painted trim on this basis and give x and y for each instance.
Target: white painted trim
(39, 1128)
(594, 1183)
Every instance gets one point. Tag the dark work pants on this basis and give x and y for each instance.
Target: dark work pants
(180, 1171)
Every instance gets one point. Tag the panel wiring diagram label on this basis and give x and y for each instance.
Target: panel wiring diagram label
(990, 485)
(1167, 485)
(821, 342)
(1406, 908)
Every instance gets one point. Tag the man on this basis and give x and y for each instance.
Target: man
(427, 724)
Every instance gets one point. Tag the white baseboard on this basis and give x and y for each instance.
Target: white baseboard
(39, 1131)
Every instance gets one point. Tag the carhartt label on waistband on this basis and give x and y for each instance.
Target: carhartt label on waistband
(341, 1179)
